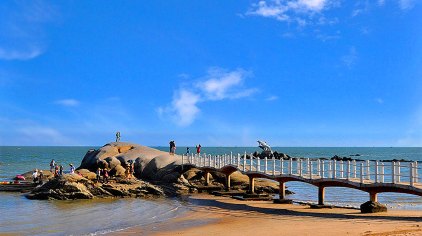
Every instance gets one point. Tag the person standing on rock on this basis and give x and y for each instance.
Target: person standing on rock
(60, 170)
(198, 149)
(98, 174)
(72, 168)
(132, 169)
(105, 172)
(41, 177)
(172, 147)
(56, 170)
(35, 176)
(117, 136)
(52, 164)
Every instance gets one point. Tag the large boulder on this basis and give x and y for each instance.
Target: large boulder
(149, 163)
(372, 207)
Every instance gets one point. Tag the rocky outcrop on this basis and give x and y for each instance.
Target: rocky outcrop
(372, 207)
(149, 163)
(63, 188)
(276, 155)
(73, 186)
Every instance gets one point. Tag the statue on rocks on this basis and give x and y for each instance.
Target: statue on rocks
(264, 146)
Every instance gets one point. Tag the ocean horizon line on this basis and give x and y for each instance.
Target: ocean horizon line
(164, 146)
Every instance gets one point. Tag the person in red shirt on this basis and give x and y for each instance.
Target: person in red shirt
(198, 149)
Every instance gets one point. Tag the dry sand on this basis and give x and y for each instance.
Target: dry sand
(211, 215)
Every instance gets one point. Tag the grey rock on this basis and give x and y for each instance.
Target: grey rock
(372, 207)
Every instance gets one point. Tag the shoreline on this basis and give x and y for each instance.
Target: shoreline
(212, 215)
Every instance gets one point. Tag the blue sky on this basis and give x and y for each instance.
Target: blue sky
(219, 73)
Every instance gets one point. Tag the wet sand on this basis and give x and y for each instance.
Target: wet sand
(211, 215)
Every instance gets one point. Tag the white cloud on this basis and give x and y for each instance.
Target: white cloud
(302, 12)
(183, 110)
(350, 59)
(381, 2)
(220, 85)
(12, 54)
(67, 102)
(185, 107)
(217, 85)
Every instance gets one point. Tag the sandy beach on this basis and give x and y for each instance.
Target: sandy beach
(212, 215)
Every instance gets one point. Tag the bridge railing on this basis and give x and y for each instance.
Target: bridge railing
(368, 171)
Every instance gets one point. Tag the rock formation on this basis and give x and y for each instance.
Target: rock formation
(157, 174)
(149, 163)
(74, 186)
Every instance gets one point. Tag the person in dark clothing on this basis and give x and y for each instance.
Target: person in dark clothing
(40, 177)
(105, 173)
(172, 147)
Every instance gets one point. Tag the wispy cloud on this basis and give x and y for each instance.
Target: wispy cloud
(217, 85)
(43, 133)
(361, 7)
(379, 100)
(67, 102)
(406, 4)
(22, 27)
(327, 36)
(271, 98)
(413, 136)
(302, 12)
(350, 59)
(13, 54)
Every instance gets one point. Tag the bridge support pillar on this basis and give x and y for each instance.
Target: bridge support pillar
(373, 197)
(207, 178)
(321, 195)
(228, 186)
(282, 190)
(251, 185)
(282, 193)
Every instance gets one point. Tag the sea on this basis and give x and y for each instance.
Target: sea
(21, 216)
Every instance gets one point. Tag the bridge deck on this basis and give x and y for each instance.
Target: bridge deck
(369, 176)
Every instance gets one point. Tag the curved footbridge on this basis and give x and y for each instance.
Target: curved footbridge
(372, 177)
